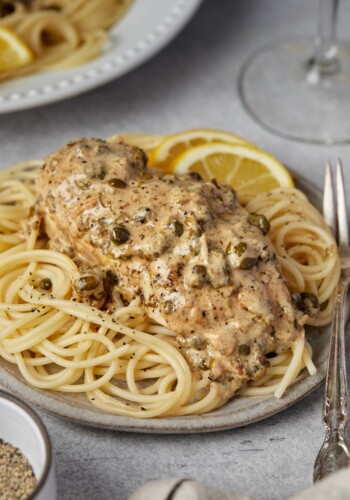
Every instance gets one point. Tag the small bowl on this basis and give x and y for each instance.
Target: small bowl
(21, 427)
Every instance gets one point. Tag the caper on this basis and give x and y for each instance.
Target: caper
(311, 297)
(139, 156)
(119, 234)
(259, 221)
(306, 302)
(168, 307)
(195, 176)
(86, 283)
(45, 284)
(248, 263)
(240, 248)
(177, 227)
(117, 183)
(201, 274)
(83, 185)
(310, 302)
(244, 350)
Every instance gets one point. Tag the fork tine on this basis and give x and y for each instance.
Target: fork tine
(343, 230)
(329, 201)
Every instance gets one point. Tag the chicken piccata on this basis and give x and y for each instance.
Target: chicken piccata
(200, 263)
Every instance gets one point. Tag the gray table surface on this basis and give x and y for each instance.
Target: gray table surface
(191, 83)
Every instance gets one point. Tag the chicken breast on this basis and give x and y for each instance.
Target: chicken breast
(200, 263)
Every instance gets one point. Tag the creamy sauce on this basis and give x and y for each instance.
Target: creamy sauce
(185, 246)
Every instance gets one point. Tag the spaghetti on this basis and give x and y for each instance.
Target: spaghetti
(125, 362)
(61, 33)
(304, 245)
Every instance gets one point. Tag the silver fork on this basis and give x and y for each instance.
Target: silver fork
(334, 453)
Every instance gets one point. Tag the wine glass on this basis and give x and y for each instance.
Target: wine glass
(300, 89)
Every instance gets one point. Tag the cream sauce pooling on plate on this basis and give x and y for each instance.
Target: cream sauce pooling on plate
(199, 261)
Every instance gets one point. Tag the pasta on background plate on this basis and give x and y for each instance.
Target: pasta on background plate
(61, 34)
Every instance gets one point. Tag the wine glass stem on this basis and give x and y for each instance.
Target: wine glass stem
(325, 56)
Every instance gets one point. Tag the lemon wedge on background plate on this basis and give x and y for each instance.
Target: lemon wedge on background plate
(175, 144)
(246, 168)
(14, 52)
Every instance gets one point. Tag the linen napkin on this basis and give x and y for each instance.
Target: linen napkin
(334, 487)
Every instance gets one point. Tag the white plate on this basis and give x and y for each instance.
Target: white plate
(237, 412)
(146, 28)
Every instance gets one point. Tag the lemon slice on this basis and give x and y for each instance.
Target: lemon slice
(246, 168)
(174, 145)
(14, 52)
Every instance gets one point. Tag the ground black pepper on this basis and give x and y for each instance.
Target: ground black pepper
(17, 479)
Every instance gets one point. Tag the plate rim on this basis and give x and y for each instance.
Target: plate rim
(101, 71)
(208, 422)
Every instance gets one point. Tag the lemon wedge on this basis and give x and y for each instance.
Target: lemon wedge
(246, 168)
(14, 52)
(175, 144)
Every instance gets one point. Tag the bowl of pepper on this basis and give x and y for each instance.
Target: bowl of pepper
(26, 464)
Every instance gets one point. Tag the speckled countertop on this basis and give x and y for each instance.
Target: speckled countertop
(191, 83)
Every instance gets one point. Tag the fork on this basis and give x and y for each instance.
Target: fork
(334, 453)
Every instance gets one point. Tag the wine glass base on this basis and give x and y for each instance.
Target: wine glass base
(284, 91)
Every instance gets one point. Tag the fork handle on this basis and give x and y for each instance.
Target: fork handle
(335, 413)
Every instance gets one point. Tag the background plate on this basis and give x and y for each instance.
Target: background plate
(146, 28)
(237, 412)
